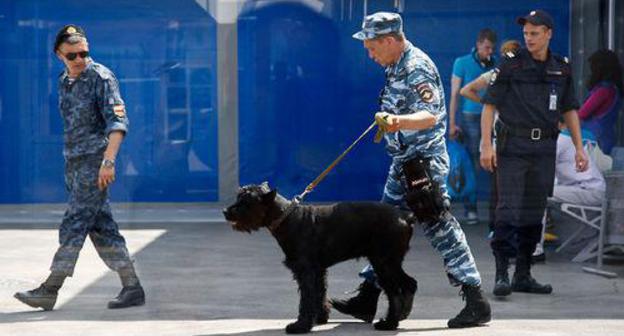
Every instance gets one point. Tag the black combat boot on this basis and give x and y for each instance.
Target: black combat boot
(128, 297)
(45, 295)
(132, 293)
(476, 312)
(362, 306)
(502, 286)
(522, 279)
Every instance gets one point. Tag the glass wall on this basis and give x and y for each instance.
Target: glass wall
(164, 55)
(306, 89)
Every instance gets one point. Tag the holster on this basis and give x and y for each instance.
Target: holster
(423, 196)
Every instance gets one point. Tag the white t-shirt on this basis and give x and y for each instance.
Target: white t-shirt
(565, 171)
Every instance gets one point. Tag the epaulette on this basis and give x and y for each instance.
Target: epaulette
(102, 71)
(561, 59)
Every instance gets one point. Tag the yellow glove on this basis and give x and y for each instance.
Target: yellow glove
(381, 118)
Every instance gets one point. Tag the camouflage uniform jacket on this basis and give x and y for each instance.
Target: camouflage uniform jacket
(412, 85)
(91, 108)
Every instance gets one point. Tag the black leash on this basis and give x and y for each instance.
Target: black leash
(321, 176)
(299, 198)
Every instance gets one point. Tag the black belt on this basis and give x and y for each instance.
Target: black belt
(530, 133)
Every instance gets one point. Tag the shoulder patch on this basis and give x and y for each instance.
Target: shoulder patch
(510, 54)
(425, 91)
(494, 76)
(119, 110)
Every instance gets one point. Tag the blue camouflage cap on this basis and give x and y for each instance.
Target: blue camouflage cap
(378, 24)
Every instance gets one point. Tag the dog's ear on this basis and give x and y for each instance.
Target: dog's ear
(264, 187)
(270, 196)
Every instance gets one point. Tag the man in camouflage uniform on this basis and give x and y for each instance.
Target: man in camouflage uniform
(412, 103)
(95, 124)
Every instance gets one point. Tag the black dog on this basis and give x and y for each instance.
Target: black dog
(314, 238)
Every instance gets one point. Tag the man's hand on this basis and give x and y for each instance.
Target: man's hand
(454, 131)
(106, 177)
(390, 121)
(488, 158)
(582, 163)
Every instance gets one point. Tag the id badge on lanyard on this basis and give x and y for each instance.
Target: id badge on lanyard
(552, 101)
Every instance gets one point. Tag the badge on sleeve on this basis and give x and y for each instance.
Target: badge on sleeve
(494, 75)
(119, 110)
(425, 91)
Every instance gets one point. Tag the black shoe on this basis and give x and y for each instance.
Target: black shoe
(527, 284)
(363, 306)
(40, 297)
(502, 287)
(128, 297)
(476, 312)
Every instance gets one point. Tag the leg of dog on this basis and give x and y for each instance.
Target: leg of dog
(409, 286)
(323, 311)
(309, 282)
(389, 282)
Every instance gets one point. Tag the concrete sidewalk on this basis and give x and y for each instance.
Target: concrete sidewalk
(202, 278)
(134, 213)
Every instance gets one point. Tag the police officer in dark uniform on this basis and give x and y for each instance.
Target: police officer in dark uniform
(95, 123)
(531, 90)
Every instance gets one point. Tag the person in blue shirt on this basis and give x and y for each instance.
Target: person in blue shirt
(94, 125)
(466, 69)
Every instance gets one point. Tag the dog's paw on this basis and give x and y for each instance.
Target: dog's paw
(322, 318)
(386, 325)
(323, 314)
(298, 327)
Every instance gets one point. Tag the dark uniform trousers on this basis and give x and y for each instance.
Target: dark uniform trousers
(525, 177)
(88, 213)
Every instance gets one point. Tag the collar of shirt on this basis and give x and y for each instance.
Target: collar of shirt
(532, 63)
(395, 68)
(65, 74)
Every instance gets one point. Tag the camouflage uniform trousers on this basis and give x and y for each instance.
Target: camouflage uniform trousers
(446, 236)
(88, 213)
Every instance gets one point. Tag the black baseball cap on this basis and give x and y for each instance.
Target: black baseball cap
(66, 32)
(537, 17)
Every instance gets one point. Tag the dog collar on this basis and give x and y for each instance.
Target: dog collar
(275, 223)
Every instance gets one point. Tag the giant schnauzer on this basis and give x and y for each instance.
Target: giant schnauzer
(314, 238)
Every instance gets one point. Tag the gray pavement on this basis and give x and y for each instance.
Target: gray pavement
(202, 278)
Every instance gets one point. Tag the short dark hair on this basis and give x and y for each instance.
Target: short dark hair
(605, 66)
(486, 34)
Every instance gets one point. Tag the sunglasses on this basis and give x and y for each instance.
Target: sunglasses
(72, 56)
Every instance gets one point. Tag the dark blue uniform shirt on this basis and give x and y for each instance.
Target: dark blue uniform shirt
(522, 90)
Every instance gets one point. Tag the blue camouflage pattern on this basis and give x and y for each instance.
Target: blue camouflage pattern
(379, 24)
(401, 96)
(404, 94)
(87, 107)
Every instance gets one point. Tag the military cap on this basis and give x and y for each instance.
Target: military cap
(378, 24)
(537, 17)
(66, 32)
